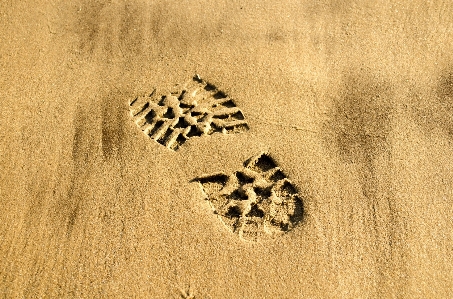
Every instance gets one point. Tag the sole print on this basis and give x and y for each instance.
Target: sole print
(257, 202)
(197, 109)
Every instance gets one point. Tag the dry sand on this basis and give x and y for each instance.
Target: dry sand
(353, 100)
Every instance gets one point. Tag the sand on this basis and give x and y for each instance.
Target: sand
(353, 101)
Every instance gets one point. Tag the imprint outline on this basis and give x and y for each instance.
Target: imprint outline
(198, 108)
(258, 195)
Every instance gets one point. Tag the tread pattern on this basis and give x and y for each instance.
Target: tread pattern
(257, 202)
(197, 109)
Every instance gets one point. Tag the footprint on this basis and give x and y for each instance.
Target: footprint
(257, 202)
(195, 110)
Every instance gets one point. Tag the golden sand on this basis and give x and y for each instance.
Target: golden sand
(352, 101)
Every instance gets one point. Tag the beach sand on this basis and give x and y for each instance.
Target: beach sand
(353, 101)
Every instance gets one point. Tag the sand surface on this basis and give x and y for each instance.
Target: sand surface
(353, 100)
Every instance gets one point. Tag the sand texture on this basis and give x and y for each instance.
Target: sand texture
(226, 149)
